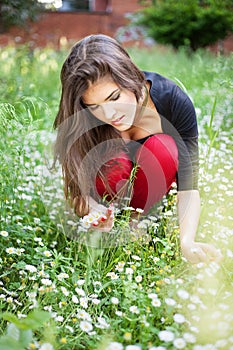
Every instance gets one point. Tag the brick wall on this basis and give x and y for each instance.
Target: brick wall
(52, 26)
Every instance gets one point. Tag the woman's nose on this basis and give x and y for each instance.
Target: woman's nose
(109, 110)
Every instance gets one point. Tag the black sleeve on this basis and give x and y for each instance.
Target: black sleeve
(183, 127)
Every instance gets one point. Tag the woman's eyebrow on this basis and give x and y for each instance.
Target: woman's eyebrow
(107, 98)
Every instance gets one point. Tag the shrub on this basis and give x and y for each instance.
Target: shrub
(17, 12)
(190, 23)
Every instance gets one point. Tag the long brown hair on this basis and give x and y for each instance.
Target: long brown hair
(82, 140)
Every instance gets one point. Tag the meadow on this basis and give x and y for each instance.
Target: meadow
(63, 290)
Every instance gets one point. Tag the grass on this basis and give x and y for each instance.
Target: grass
(55, 291)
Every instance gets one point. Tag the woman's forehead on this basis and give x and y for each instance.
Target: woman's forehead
(98, 91)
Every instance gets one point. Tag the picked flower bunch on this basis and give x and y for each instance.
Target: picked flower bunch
(94, 218)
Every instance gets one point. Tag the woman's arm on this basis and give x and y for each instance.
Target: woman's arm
(189, 213)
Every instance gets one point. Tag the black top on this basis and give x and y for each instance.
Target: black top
(178, 120)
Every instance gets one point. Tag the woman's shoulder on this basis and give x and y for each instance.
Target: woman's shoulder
(159, 81)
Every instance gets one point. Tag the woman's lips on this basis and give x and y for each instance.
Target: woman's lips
(117, 121)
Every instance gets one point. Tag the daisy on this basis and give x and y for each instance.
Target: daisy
(178, 318)
(10, 250)
(114, 346)
(86, 326)
(156, 302)
(84, 315)
(179, 343)
(134, 309)
(4, 233)
(166, 336)
(30, 268)
(46, 346)
(114, 300)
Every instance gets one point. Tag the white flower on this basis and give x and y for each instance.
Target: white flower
(129, 271)
(157, 348)
(152, 295)
(138, 279)
(19, 251)
(156, 259)
(30, 268)
(4, 233)
(128, 208)
(133, 347)
(179, 343)
(156, 302)
(114, 300)
(80, 282)
(114, 346)
(47, 253)
(119, 313)
(46, 281)
(178, 318)
(120, 266)
(84, 315)
(89, 219)
(102, 323)
(139, 210)
(189, 338)
(84, 302)
(166, 336)
(65, 291)
(80, 292)
(59, 318)
(62, 275)
(75, 299)
(191, 306)
(86, 326)
(71, 329)
(134, 309)
(136, 257)
(170, 301)
(46, 346)
(10, 250)
(113, 275)
(183, 294)
(95, 301)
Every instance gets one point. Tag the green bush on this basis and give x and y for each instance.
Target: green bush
(190, 23)
(17, 12)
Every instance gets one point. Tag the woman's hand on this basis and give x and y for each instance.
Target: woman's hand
(105, 222)
(99, 218)
(196, 252)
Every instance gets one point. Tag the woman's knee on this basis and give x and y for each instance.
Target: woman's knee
(159, 147)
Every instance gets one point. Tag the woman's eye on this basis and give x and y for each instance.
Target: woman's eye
(114, 98)
(93, 108)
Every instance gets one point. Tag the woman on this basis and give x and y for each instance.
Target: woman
(123, 132)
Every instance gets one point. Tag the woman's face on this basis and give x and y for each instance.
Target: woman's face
(111, 104)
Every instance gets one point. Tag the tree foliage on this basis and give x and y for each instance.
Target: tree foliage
(192, 23)
(18, 12)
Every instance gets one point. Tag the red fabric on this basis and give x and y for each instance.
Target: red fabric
(157, 161)
(117, 171)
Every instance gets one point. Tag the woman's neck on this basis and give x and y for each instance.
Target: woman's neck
(147, 121)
